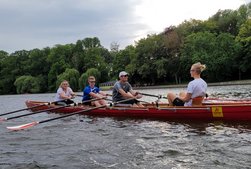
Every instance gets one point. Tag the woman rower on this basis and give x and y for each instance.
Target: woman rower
(196, 89)
(64, 94)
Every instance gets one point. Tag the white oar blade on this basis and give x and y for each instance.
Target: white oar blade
(24, 126)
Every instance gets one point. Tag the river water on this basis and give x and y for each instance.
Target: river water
(88, 142)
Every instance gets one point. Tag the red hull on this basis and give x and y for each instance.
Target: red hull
(231, 112)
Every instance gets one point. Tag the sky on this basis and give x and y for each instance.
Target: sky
(29, 24)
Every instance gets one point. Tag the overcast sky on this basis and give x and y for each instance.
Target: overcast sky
(29, 24)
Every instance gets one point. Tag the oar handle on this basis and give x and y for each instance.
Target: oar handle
(121, 101)
(158, 96)
(82, 95)
(95, 99)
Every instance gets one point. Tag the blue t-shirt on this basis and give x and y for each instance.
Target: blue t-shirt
(87, 90)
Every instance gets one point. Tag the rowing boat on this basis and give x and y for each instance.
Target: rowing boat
(234, 111)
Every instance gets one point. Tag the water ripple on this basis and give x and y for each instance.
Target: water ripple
(114, 143)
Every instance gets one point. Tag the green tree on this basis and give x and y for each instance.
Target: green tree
(217, 52)
(121, 60)
(227, 21)
(78, 60)
(83, 80)
(244, 37)
(56, 69)
(36, 62)
(91, 43)
(72, 76)
(12, 66)
(174, 39)
(148, 53)
(27, 84)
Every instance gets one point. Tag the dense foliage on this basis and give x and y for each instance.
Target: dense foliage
(223, 43)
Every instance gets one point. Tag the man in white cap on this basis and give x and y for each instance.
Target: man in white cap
(122, 90)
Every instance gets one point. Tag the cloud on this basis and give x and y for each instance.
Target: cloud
(163, 13)
(29, 24)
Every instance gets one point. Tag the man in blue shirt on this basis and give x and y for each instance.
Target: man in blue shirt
(93, 92)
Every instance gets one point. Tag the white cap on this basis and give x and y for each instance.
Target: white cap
(123, 73)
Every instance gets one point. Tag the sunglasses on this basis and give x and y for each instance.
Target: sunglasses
(92, 82)
(124, 76)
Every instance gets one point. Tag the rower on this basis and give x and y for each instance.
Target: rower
(93, 92)
(195, 88)
(64, 94)
(122, 90)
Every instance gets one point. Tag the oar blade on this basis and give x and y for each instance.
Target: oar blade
(22, 127)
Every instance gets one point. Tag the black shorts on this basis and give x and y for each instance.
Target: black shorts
(87, 103)
(178, 102)
(64, 102)
(134, 101)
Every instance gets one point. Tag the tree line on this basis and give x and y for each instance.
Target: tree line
(223, 43)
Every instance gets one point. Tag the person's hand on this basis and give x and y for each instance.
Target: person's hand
(138, 96)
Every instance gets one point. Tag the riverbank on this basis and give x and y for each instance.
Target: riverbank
(228, 83)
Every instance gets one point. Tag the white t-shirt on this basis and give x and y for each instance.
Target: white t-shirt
(68, 92)
(197, 87)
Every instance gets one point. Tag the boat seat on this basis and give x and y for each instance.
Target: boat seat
(197, 101)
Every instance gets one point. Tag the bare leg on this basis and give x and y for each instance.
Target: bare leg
(135, 105)
(171, 97)
(182, 94)
(140, 105)
(102, 102)
(96, 103)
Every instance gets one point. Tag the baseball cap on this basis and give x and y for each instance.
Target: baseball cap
(123, 73)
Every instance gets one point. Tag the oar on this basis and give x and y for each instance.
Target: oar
(82, 95)
(28, 125)
(137, 99)
(227, 99)
(158, 96)
(40, 105)
(86, 101)
(36, 112)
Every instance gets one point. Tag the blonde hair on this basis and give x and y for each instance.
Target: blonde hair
(199, 67)
(63, 82)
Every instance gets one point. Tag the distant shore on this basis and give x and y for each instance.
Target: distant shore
(228, 83)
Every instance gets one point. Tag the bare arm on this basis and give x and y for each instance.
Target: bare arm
(95, 95)
(187, 97)
(136, 94)
(63, 96)
(103, 93)
(126, 95)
